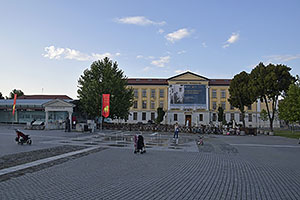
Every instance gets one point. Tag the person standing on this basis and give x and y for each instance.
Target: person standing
(67, 126)
(176, 130)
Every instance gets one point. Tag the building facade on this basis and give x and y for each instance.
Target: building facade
(189, 99)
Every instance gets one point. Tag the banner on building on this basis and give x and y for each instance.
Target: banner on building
(105, 105)
(14, 106)
(187, 96)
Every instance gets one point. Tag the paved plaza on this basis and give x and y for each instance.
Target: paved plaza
(225, 167)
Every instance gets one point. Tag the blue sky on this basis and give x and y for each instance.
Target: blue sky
(46, 45)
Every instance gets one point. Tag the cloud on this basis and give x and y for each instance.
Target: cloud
(179, 71)
(282, 58)
(139, 56)
(160, 31)
(67, 53)
(181, 52)
(146, 69)
(232, 39)
(161, 62)
(178, 35)
(204, 44)
(138, 20)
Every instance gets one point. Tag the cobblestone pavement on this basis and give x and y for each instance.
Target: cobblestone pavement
(225, 167)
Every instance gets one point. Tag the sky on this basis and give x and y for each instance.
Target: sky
(46, 45)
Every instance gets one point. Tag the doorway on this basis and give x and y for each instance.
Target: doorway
(188, 120)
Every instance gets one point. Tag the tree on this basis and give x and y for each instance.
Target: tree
(15, 91)
(289, 107)
(160, 115)
(264, 115)
(221, 115)
(268, 83)
(1, 97)
(240, 95)
(104, 77)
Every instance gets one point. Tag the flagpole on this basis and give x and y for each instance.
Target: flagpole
(101, 113)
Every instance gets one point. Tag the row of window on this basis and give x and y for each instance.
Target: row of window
(152, 92)
(223, 105)
(214, 93)
(144, 116)
(144, 104)
(214, 117)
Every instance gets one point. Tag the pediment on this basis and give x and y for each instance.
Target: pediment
(188, 76)
(58, 103)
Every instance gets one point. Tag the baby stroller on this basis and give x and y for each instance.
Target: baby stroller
(22, 138)
(139, 144)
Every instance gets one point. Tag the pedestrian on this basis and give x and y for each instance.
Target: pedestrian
(176, 130)
(67, 125)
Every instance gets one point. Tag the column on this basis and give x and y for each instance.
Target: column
(46, 120)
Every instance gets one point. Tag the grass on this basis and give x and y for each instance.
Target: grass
(287, 133)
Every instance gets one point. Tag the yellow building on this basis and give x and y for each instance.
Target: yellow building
(188, 99)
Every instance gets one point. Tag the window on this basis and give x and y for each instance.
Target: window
(214, 117)
(152, 116)
(231, 107)
(152, 105)
(175, 117)
(144, 93)
(214, 106)
(161, 93)
(135, 104)
(200, 117)
(223, 105)
(223, 93)
(214, 93)
(250, 117)
(135, 116)
(152, 93)
(161, 104)
(136, 93)
(250, 107)
(144, 104)
(143, 116)
(231, 116)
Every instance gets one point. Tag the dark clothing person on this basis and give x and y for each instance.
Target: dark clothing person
(67, 126)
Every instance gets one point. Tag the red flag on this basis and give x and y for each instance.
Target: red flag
(14, 106)
(105, 105)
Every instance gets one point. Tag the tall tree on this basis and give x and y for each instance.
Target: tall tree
(1, 97)
(268, 83)
(221, 115)
(15, 91)
(104, 77)
(240, 95)
(160, 115)
(289, 107)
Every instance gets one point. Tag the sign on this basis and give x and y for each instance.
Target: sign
(187, 96)
(105, 105)
(14, 106)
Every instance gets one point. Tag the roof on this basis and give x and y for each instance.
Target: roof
(146, 81)
(188, 72)
(219, 82)
(65, 97)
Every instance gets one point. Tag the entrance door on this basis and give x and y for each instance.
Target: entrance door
(188, 120)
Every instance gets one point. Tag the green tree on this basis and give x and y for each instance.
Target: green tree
(264, 115)
(15, 91)
(240, 95)
(160, 115)
(104, 77)
(268, 83)
(1, 97)
(221, 115)
(289, 107)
